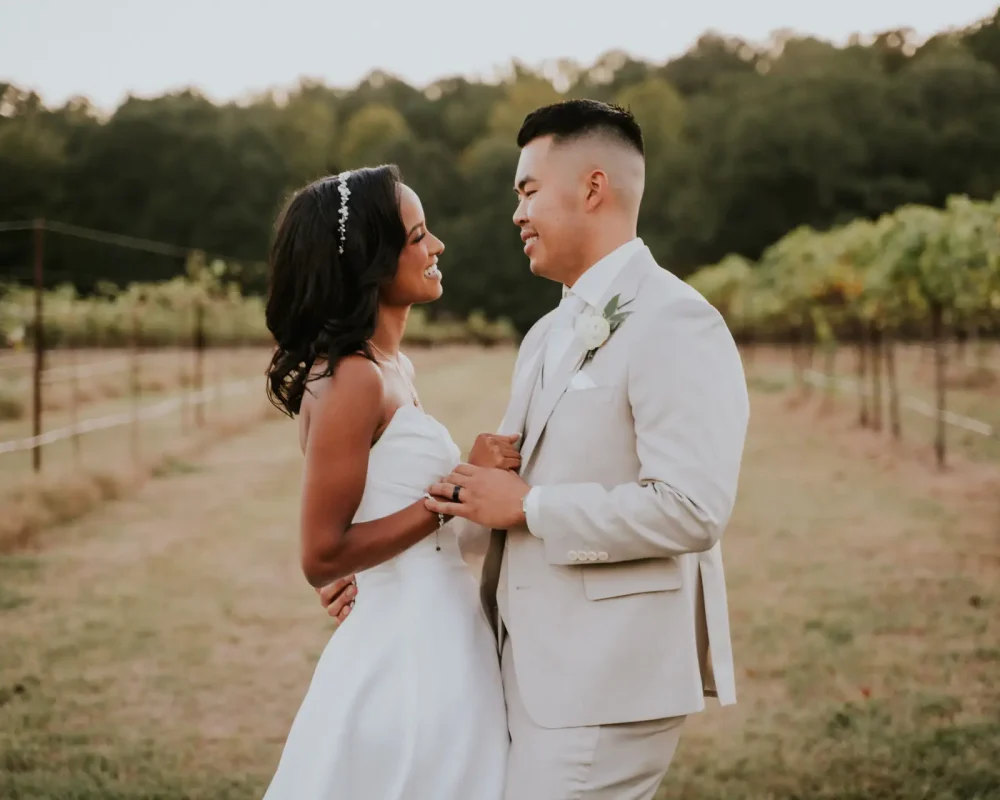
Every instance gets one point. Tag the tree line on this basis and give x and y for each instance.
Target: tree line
(919, 272)
(745, 142)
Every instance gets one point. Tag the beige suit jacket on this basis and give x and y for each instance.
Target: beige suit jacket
(616, 600)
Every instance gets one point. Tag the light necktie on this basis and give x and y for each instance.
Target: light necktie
(561, 334)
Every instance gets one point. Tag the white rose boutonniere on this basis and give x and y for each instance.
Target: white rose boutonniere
(593, 330)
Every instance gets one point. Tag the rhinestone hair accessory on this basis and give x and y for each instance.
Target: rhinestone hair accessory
(345, 192)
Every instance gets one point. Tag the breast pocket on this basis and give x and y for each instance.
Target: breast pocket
(583, 398)
(602, 581)
(589, 415)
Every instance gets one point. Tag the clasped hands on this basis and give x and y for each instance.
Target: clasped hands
(487, 490)
(490, 492)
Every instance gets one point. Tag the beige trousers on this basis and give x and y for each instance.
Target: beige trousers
(605, 762)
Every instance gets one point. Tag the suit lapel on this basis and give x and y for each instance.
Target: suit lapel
(626, 284)
(513, 422)
(553, 388)
(521, 392)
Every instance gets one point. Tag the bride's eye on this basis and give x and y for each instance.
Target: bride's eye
(419, 238)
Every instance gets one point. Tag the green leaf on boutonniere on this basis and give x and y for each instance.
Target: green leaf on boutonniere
(618, 319)
(613, 311)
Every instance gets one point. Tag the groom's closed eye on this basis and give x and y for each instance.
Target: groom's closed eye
(522, 186)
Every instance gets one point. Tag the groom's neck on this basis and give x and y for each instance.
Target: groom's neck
(602, 244)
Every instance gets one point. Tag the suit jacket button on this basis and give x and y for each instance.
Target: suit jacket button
(572, 555)
(591, 556)
(602, 556)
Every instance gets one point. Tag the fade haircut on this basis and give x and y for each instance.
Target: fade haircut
(574, 119)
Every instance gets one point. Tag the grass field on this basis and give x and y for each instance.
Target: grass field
(80, 472)
(161, 374)
(160, 647)
(85, 379)
(973, 390)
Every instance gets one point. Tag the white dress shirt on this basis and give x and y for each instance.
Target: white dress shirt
(589, 288)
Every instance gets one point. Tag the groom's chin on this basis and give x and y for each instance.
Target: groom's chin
(538, 270)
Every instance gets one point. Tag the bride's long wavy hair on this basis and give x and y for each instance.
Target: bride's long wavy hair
(322, 304)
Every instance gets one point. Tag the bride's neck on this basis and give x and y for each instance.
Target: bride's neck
(389, 329)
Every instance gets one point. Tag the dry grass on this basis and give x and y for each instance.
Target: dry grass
(973, 390)
(41, 503)
(109, 450)
(106, 374)
(864, 594)
(58, 496)
(160, 647)
(12, 403)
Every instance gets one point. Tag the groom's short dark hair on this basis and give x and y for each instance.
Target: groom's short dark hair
(572, 119)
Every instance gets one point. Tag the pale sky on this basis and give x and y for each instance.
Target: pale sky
(105, 49)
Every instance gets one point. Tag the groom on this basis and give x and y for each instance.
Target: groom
(603, 573)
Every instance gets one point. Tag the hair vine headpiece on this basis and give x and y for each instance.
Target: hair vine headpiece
(345, 192)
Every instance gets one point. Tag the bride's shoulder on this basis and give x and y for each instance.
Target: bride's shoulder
(358, 373)
(355, 376)
(353, 390)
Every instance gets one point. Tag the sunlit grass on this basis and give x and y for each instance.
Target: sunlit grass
(160, 647)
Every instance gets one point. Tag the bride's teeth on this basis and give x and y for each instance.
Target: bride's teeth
(433, 272)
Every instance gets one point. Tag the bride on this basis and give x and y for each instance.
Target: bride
(406, 700)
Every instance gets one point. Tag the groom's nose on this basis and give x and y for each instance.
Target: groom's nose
(520, 217)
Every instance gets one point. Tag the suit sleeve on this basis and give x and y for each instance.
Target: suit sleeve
(688, 397)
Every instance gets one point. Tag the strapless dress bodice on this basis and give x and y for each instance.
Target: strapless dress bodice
(413, 452)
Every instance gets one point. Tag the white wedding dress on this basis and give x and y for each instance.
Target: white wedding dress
(406, 702)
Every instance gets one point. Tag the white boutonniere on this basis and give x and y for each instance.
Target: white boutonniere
(593, 330)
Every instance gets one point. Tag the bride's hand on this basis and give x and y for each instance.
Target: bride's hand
(491, 450)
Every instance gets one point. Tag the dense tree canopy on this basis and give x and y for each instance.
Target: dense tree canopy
(745, 144)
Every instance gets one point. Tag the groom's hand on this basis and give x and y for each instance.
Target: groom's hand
(489, 497)
(338, 597)
(496, 450)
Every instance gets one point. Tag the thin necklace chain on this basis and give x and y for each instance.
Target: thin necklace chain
(394, 362)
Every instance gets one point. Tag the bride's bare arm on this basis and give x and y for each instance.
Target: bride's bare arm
(342, 425)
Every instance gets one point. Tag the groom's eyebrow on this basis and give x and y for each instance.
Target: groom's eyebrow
(524, 182)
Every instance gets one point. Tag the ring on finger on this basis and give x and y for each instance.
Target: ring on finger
(455, 493)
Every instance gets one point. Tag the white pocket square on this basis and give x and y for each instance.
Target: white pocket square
(581, 380)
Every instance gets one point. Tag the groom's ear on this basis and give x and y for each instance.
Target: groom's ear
(598, 187)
